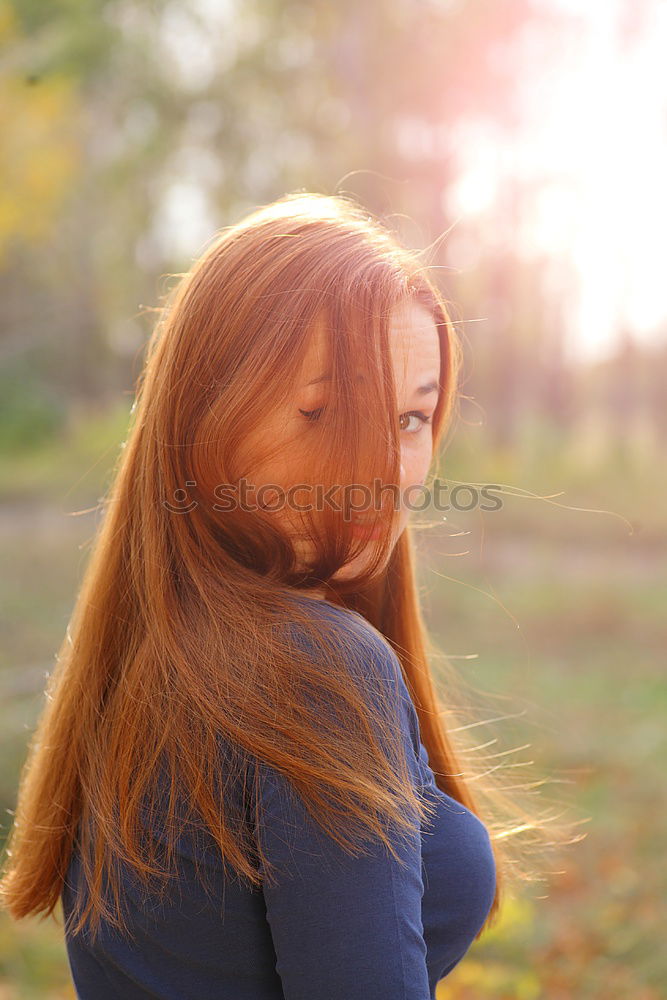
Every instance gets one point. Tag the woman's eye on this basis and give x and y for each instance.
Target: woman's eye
(312, 414)
(417, 415)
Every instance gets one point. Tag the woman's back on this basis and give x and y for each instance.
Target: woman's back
(333, 925)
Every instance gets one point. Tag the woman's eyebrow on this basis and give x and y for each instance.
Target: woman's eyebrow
(426, 390)
(422, 390)
(327, 378)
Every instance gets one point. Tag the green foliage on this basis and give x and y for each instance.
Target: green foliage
(585, 662)
(75, 460)
(31, 413)
(32, 966)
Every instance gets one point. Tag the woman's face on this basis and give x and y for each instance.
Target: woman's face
(415, 355)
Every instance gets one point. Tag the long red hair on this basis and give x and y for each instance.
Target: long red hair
(176, 640)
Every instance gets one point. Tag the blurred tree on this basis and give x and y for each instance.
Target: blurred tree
(38, 155)
(183, 116)
(61, 161)
(623, 393)
(656, 395)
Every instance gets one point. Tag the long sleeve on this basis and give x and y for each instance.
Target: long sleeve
(344, 927)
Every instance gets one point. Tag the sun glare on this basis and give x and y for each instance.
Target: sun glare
(586, 166)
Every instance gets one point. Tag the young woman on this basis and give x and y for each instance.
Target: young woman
(241, 784)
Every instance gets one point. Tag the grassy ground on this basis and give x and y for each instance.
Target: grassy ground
(561, 612)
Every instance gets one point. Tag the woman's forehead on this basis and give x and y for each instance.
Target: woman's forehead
(413, 341)
(316, 358)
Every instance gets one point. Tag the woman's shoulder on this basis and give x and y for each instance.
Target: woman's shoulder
(346, 618)
(369, 658)
(316, 605)
(354, 633)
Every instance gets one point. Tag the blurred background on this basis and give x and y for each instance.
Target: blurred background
(529, 139)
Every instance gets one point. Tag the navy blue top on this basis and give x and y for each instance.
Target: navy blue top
(334, 927)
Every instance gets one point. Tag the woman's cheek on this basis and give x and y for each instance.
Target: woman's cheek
(414, 469)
